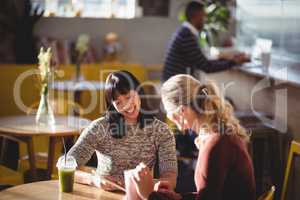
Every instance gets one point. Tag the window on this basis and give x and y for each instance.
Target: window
(88, 8)
(277, 20)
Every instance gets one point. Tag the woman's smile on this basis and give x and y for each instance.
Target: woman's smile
(131, 111)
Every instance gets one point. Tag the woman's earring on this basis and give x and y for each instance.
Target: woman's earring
(181, 110)
(198, 142)
(181, 118)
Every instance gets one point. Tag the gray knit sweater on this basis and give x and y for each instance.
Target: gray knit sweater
(138, 145)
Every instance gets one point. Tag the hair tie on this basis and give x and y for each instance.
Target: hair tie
(205, 91)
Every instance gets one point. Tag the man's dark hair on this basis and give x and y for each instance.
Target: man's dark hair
(193, 7)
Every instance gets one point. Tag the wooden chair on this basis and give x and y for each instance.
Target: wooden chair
(294, 150)
(10, 177)
(269, 195)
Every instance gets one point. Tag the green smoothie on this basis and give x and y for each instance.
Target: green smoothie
(66, 179)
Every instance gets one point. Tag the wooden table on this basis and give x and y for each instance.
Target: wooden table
(50, 190)
(23, 128)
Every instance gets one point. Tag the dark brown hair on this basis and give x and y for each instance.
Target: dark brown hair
(192, 8)
(120, 83)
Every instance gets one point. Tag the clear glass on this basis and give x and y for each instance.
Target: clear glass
(66, 169)
(45, 115)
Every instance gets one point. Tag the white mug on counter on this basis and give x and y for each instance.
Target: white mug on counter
(262, 50)
(266, 60)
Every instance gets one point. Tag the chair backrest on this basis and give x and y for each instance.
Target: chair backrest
(294, 149)
(10, 177)
(269, 195)
(20, 87)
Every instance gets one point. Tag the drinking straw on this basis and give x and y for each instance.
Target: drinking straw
(65, 151)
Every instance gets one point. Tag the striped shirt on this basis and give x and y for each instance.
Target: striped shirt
(154, 141)
(184, 56)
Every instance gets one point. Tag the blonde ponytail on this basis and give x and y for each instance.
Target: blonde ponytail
(205, 100)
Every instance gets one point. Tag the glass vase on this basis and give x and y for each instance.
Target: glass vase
(44, 115)
(78, 76)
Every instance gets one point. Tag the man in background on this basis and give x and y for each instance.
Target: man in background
(184, 55)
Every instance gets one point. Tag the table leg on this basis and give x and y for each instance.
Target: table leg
(31, 156)
(52, 141)
(3, 149)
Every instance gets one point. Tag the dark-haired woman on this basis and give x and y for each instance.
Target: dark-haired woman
(125, 136)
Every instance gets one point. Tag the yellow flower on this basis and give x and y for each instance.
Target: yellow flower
(44, 63)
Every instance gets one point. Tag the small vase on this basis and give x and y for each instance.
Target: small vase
(78, 76)
(44, 115)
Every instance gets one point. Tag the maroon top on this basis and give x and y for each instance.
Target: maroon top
(224, 170)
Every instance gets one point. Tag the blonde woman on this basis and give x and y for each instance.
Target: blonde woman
(224, 169)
